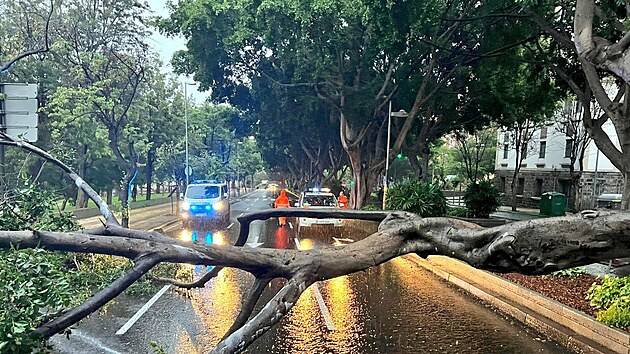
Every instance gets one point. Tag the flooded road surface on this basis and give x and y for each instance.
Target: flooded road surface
(397, 307)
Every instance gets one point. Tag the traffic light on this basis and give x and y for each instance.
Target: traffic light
(399, 156)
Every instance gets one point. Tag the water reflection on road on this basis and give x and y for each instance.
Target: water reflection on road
(397, 307)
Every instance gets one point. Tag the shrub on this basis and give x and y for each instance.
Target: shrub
(569, 272)
(35, 285)
(370, 207)
(482, 199)
(418, 197)
(612, 297)
(38, 284)
(456, 211)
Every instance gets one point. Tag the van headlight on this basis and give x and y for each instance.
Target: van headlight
(185, 206)
(217, 206)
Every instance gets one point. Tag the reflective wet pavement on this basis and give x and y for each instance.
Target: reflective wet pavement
(394, 308)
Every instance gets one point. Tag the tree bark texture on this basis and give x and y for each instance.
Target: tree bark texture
(149, 172)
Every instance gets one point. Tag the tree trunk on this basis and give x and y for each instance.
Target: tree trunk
(82, 200)
(625, 200)
(63, 204)
(124, 195)
(149, 172)
(416, 165)
(110, 196)
(158, 188)
(426, 152)
(513, 189)
(358, 193)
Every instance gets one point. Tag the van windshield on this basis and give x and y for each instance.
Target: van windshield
(202, 192)
(319, 200)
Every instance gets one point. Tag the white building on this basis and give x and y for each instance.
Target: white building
(546, 166)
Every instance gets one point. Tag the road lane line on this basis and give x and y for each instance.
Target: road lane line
(320, 300)
(93, 341)
(142, 310)
(322, 307)
(241, 215)
(291, 225)
(230, 225)
(246, 209)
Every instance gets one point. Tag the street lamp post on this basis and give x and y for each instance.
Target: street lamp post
(399, 114)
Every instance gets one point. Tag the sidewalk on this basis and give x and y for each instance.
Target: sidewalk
(150, 217)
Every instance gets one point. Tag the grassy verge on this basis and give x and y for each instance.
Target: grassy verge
(139, 203)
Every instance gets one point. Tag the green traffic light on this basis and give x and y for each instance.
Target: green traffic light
(399, 156)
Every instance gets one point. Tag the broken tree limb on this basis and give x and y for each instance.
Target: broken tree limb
(529, 247)
(78, 181)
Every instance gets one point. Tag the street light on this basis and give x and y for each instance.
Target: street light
(399, 114)
(187, 169)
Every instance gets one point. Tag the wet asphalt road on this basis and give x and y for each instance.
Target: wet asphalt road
(394, 308)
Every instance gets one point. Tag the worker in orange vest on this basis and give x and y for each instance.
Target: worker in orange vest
(343, 201)
(282, 202)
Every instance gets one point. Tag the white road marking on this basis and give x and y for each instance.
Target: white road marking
(142, 310)
(255, 242)
(322, 307)
(246, 209)
(291, 225)
(241, 215)
(230, 225)
(93, 341)
(320, 300)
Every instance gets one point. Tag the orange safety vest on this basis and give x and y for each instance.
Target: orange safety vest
(282, 201)
(343, 202)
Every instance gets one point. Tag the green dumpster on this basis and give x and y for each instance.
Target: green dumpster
(553, 204)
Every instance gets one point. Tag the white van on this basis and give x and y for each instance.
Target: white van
(204, 202)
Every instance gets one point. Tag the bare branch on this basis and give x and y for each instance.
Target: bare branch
(104, 209)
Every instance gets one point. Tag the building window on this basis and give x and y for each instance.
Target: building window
(565, 186)
(505, 151)
(568, 150)
(543, 133)
(502, 186)
(543, 149)
(520, 186)
(569, 129)
(539, 187)
(506, 137)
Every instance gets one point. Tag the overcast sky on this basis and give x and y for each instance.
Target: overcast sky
(167, 46)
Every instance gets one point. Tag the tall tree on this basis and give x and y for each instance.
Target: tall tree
(356, 56)
(103, 45)
(592, 37)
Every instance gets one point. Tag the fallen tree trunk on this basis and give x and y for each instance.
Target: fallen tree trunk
(530, 247)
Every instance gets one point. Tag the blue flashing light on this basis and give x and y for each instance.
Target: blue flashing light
(204, 181)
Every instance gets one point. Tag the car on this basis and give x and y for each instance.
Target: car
(318, 198)
(206, 202)
(610, 201)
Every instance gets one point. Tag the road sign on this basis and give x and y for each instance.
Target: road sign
(18, 110)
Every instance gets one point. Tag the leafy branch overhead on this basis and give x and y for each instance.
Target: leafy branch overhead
(580, 239)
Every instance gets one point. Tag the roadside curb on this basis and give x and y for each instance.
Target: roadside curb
(167, 224)
(573, 329)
